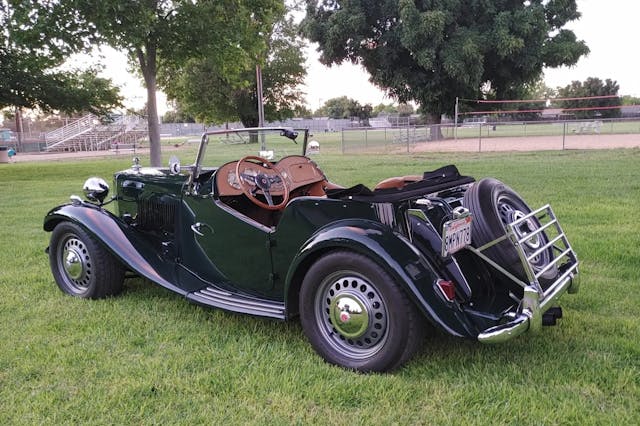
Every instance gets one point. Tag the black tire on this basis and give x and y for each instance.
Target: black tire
(494, 205)
(81, 266)
(381, 331)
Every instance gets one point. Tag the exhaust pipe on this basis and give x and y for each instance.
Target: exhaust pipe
(552, 315)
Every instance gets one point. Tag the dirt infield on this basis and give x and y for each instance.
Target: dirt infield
(529, 143)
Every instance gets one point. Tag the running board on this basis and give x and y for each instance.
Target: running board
(234, 302)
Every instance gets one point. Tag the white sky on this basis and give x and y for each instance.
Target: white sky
(606, 26)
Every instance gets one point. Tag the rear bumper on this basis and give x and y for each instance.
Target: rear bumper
(534, 304)
(535, 301)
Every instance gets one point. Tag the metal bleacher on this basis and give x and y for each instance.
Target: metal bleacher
(89, 133)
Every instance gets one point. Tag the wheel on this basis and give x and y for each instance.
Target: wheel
(494, 205)
(356, 316)
(81, 266)
(261, 180)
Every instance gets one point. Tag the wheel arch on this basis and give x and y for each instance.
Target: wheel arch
(133, 252)
(397, 257)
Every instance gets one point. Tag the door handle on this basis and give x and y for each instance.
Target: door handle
(197, 228)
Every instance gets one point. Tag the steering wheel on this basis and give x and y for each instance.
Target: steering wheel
(262, 181)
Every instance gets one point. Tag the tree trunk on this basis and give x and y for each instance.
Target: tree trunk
(153, 124)
(250, 121)
(19, 130)
(435, 130)
(149, 71)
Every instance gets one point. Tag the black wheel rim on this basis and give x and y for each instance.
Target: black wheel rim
(351, 315)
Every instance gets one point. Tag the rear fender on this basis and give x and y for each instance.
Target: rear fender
(394, 253)
(134, 252)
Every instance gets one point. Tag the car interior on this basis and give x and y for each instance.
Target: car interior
(260, 189)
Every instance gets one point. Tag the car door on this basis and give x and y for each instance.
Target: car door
(238, 248)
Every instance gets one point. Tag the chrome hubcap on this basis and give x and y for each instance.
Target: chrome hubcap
(75, 261)
(351, 315)
(72, 263)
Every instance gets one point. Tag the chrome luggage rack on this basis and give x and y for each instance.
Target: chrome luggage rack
(536, 300)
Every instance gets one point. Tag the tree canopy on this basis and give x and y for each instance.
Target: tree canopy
(158, 33)
(433, 51)
(31, 57)
(214, 92)
(344, 107)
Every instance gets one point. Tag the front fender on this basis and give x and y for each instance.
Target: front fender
(123, 242)
(399, 258)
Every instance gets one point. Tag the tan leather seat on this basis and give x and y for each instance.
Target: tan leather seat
(397, 182)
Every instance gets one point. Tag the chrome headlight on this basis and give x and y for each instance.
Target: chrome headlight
(96, 189)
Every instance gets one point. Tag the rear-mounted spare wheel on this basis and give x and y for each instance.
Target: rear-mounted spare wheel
(494, 205)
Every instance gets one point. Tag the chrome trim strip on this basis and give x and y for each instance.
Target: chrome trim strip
(238, 303)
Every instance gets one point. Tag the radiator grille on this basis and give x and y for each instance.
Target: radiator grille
(157, 215)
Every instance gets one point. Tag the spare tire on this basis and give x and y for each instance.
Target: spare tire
(494, 205)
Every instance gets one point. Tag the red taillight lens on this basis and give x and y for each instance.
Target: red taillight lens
(447, 288)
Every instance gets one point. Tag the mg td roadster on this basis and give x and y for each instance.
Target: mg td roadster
(367, 271)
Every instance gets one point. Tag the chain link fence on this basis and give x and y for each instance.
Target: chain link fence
(496, 136)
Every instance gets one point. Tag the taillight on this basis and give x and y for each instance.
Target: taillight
(447, 288)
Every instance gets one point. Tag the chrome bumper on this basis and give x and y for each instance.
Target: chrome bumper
(532, 308)
(535, 301)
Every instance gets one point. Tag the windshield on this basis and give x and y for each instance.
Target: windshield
(221, 146)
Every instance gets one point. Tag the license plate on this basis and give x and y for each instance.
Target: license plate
(456, 235)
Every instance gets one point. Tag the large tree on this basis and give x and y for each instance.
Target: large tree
(156, 33)
(215, 93)
(31, 58)
(605, 100)
(432, 51)
(341, 107)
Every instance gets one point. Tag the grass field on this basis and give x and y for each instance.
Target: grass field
(148, 357)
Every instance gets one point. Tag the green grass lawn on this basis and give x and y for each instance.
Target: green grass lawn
(148, 357)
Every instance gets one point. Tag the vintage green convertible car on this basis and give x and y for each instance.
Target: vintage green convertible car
(367, 271)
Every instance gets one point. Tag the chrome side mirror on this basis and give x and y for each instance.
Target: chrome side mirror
(96, 189)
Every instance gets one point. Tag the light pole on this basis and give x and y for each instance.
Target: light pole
(260, 104)
(455, 121)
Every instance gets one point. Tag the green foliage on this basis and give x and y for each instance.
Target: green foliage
(177, 115)
(630, 100)
(303, 112)
(31, 54)
(215, 92)
(336, 107)
(386, 109)
(431, 52)
(161, 33)
(592, 86)
(405, 110)
(344, 107)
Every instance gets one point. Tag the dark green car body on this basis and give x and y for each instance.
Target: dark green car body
(176, 230)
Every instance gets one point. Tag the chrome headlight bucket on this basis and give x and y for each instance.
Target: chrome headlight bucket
(96, 189)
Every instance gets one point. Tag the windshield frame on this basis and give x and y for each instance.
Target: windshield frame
(204, 141)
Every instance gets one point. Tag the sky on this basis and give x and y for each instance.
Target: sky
(606, 26)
